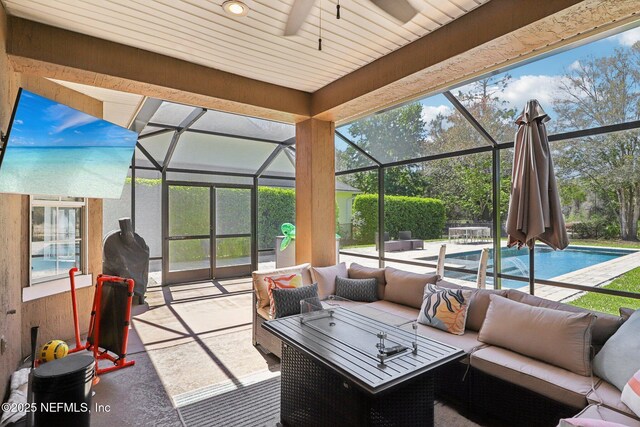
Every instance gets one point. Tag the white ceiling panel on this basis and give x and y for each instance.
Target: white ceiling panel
(118, 107)
(253, 46)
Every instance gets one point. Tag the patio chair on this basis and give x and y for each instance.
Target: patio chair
(386, 238)
(440, 263)
(405, 236)
(481, 280)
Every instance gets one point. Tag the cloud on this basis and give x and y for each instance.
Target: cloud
(628, 38)
(66, 118)
(19, 122)
(545, 89)
(575, 65)
(429, 112)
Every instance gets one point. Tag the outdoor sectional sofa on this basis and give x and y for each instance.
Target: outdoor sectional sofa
(492, 381)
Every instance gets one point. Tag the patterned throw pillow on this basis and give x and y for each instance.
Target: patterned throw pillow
(631, 394)
(365, 290)
(445, 309)
(286, 301)
(281, 282)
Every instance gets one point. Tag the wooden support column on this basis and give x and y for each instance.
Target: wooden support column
(315, 193)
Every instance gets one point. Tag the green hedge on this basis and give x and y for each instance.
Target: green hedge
(275, 207)
(189, 214)
(424, 217)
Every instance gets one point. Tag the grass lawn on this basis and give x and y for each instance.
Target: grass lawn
(608, 303)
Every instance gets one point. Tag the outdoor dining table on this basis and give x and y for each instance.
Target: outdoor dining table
(469, 234)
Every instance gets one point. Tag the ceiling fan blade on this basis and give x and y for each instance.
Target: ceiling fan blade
(399, 9)
(298, 14)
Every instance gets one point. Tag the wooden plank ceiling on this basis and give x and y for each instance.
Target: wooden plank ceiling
(118, 107)
(253, 46)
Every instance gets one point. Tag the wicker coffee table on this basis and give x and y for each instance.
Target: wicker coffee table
(341, 367)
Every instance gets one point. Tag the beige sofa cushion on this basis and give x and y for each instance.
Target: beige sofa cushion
(325, 277)
(605, 414)
(603, 328)
(402, 313)
(261, 286)
(479, 305)
(357, 271)
(450, 285)
(467, 342)
(405, 287)
(556, 383)
(264, 312)
(608, 395)
(557, 337)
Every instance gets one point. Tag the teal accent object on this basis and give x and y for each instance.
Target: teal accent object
(289, 233)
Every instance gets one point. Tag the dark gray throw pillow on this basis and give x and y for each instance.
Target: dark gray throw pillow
(365, 290)
(286, 301)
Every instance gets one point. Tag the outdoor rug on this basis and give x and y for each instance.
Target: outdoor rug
(255, 401)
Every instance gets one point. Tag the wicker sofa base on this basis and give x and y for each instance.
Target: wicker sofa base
(313, 395)
(268, 342)
(494, 398)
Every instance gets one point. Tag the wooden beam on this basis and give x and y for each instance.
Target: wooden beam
(51, 52)
(315, 193)
(496, 34)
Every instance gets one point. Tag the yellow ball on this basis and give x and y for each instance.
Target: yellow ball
(54, 349)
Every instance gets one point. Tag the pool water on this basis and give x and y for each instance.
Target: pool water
(548, 263)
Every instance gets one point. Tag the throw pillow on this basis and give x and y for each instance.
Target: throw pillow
(445, 309)
(325, 277)
(603, 327)
(557, 337)
(261, 285)
(357, 271)
(286, 301)
(479, 305)
(631, 394)
(406, 288)
(281, 282)
(365, 290)
(619, 358)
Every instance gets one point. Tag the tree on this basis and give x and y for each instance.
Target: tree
(393, 135)
(600, 92)
(465, 182)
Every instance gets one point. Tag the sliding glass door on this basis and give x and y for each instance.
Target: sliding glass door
(208, 232)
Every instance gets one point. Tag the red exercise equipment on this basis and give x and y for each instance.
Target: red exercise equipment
(107, 332)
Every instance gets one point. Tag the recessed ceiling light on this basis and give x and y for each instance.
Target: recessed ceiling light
(235, 8)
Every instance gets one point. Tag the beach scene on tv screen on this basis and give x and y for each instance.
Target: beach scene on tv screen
(56, 150)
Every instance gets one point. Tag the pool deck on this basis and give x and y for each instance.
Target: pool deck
(593, 276)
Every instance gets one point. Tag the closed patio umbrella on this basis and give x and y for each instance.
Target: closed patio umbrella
(534, 207)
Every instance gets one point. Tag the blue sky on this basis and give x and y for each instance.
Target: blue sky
(540, 79)
(40, 122)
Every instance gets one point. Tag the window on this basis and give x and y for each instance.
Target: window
(57, 237)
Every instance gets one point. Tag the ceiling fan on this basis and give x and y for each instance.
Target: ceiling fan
(399, 9)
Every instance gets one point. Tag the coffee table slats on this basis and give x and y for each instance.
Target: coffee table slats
(349, 359)
(435, 349)
(335, 352)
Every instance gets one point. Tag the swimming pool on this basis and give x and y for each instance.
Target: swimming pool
(549, 263)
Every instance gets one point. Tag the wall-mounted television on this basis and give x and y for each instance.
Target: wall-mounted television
(53, 149)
